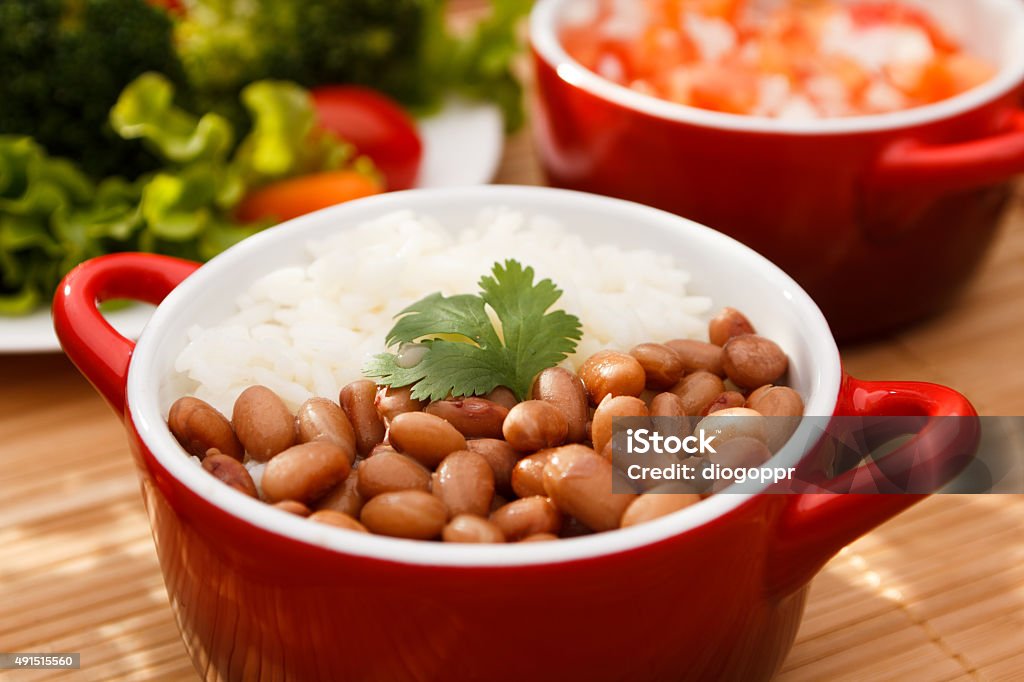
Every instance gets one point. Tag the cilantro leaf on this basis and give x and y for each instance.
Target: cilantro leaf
(530, 338)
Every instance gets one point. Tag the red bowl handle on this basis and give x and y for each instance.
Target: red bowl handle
(96, 348)
(814, 527)
(961, 165)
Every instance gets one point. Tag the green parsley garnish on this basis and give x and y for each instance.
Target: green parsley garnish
(480, 357)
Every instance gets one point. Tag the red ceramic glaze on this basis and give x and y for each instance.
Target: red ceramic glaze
(881, 223)
(722, 601)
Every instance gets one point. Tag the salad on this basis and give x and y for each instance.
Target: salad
(184, 126)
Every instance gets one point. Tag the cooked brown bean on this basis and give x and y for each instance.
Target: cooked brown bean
(338, 519)
(501, 457)
(389, 471)
(263, 423)
(504, 396)
(540, 537)
(391, 402)
(667, 404)
(579, 482)
(533, 425)
(565, 390)
(698, 356)
(473, 417)
(357, 399)
(752, 361)
(742, 453)
(345, 497)
(304, 472)
(610, 372)
(724, 401)
(425, 437)
(465, 483)
(410, 514)
(651, 506)
(611, 407)
(469, 528)
(229, 470)
(292, 507)
(528, 474)
(661, 364)
(198, 427)
(323, 419)
(776, 401)
(732, 423)
(379, 448)
(727, 324)
(497, 503)
(698, 390)
(527, 516)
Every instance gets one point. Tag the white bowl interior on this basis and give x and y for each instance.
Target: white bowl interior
(990, 29)
(728, 272)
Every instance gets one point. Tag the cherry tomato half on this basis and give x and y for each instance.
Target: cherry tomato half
(377, 127)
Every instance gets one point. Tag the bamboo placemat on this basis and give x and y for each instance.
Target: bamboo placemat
(936, 594)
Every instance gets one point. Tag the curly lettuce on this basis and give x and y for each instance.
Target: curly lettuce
(53, 216)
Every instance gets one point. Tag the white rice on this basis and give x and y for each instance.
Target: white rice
(307, 330)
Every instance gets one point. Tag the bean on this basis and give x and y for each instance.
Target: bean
(662, 365)
(497, 503)
(564, 390)
(724, 401)
(501, 457)
(613, 373)
(345, 497)
(742, 453)
(304, 472)
(752, 361)
(473, 417)
(667, 404)
(357, 399)
(504, 396)
(263, 423)
(528, 474)
(293, 507)
(534, 425)
(425, 437)
(390, 471)
(338, 519)
(323, 419)
(469, 528)
(411, 514)
(540, 537)
(465, 483)
(579, 482)
(379, 448)
(611, 407)
(229, 470)
(527, 516)
(698, 390)
(198, 427)
(651, 506)
(776, 401)
(727, 324)
(391, 402)
(733, 422)
(698, 356)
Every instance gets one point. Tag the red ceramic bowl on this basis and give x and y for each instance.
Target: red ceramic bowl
(880, 218)
(715, 591)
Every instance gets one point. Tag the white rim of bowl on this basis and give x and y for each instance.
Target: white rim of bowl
(144, 409)
(544, 37)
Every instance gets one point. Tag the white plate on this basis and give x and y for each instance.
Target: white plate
(462, 145)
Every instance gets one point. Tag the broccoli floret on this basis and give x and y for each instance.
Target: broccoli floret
(400, 47)
(63, 64)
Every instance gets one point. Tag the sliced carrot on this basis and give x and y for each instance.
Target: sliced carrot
(287, 199)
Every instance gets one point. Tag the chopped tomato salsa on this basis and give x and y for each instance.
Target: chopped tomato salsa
(803, 59)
